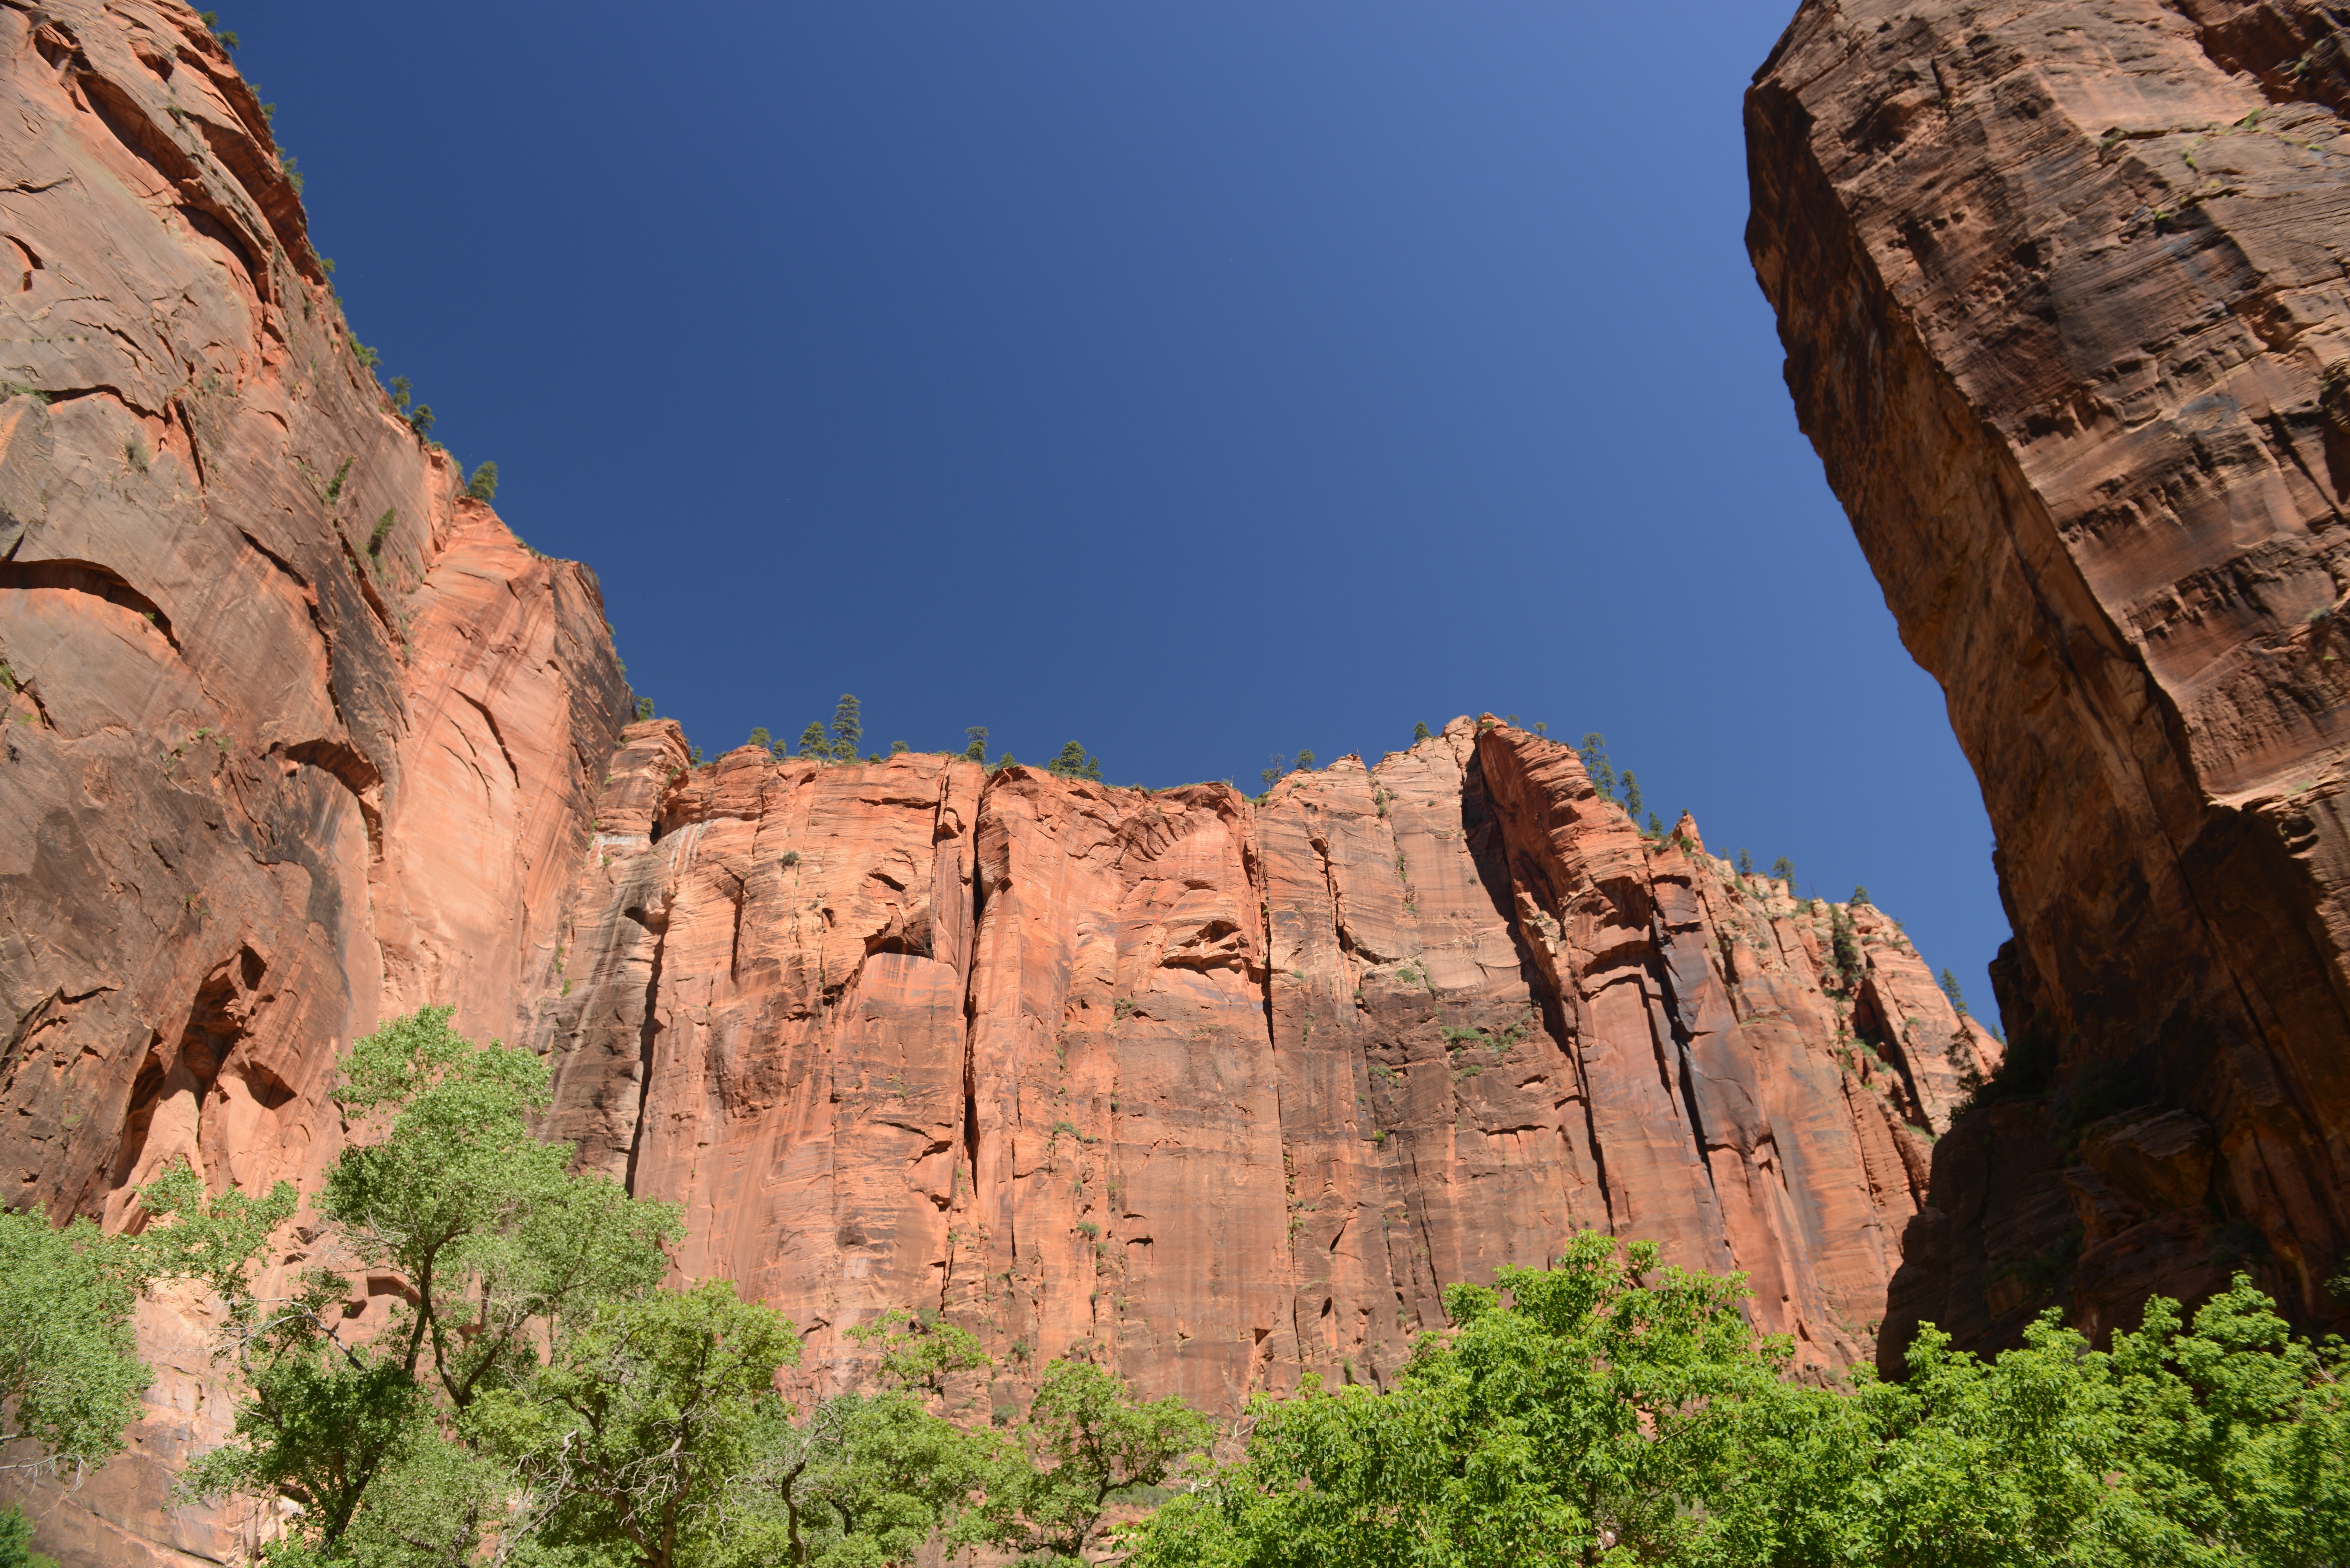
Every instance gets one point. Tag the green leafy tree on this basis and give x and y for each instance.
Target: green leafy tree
(1783, 871)
(847, 728)
(1273, 773)
(1073, 764)
(814, 743)
(17, 1541)
(70, 1375)
(1631, 795)
(977, 751)
(1419, 733)
(760, 739)
(648, 1408)
(1594, 1417)
(493, 1246)
(1306, 762)
(1859, 896)
(1745, 864)
(644, 709)
(484, 485)
(1089, 1437)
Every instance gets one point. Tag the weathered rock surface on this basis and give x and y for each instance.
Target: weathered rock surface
(2062, 286)
(295, 738)
(1227, 1089)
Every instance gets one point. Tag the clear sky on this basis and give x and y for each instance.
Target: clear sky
(1200, 381)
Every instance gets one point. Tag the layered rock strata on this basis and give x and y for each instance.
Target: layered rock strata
(2062, 291)
(1228, 1089)
(295, 736)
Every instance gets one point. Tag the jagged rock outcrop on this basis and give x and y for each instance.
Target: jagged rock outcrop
(2061, 287)
(295, 736)
(1228, 1088)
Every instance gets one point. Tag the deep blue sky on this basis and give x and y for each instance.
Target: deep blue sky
(1201, 380)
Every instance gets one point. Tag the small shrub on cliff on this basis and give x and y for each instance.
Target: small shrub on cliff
(1273, 775)
(760, 739)
(484, 485)
(1949, 983)
(1783, 871)
(1418, 733)
(1631, 795)
(1859, 896)
(1305, 762)
(644, 709)
(383, 528)
(1594, 752)
(976, 751)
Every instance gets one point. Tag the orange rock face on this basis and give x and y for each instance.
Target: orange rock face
(2060, 288)
(1229, 1089)
(295, 738)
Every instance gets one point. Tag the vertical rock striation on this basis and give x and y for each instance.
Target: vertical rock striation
(1227, 1089)
(2061, 291)
(295, 736)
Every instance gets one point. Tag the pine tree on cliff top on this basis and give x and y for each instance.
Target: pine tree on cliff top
(847, 728)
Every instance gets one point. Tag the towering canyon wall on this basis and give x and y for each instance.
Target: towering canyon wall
(2063, 290)
(295, 737)
(1227, 1089)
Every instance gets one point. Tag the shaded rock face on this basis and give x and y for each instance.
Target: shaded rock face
(294, 738)
(1227, 1089)
(2062, 290)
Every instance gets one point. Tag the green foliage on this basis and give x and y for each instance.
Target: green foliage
(922, 1353)
(1949, 983)
(1631, 795)
(384, 526)
(70, 1380)
(1622, 1415)
(1073, 764)
(1844, 943)
(1306, 762)
(335, 485)
(1273, 775)
(1006, 761)
(644, 709)
(760, 739)
(1090, 1437)
(646, 1410)
(1418, 733)
(1598, 1410)
(899, 748)
(484, 485)
(1745, 864)
(977, 751)
(17, 1541)
(368, 357)
(1594, 752)
(69, 1377)
(847, 728)
(495, 1249)
(1859, 896)
(814, 743)
(1783, 871)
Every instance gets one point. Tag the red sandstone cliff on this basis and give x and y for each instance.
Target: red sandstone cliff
(295, 737)
(2061, 289)
(1229, 1088)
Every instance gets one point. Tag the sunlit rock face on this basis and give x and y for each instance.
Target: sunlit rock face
(298, 737)
(295, 738)
(2062, 290)
(1228, 1089)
